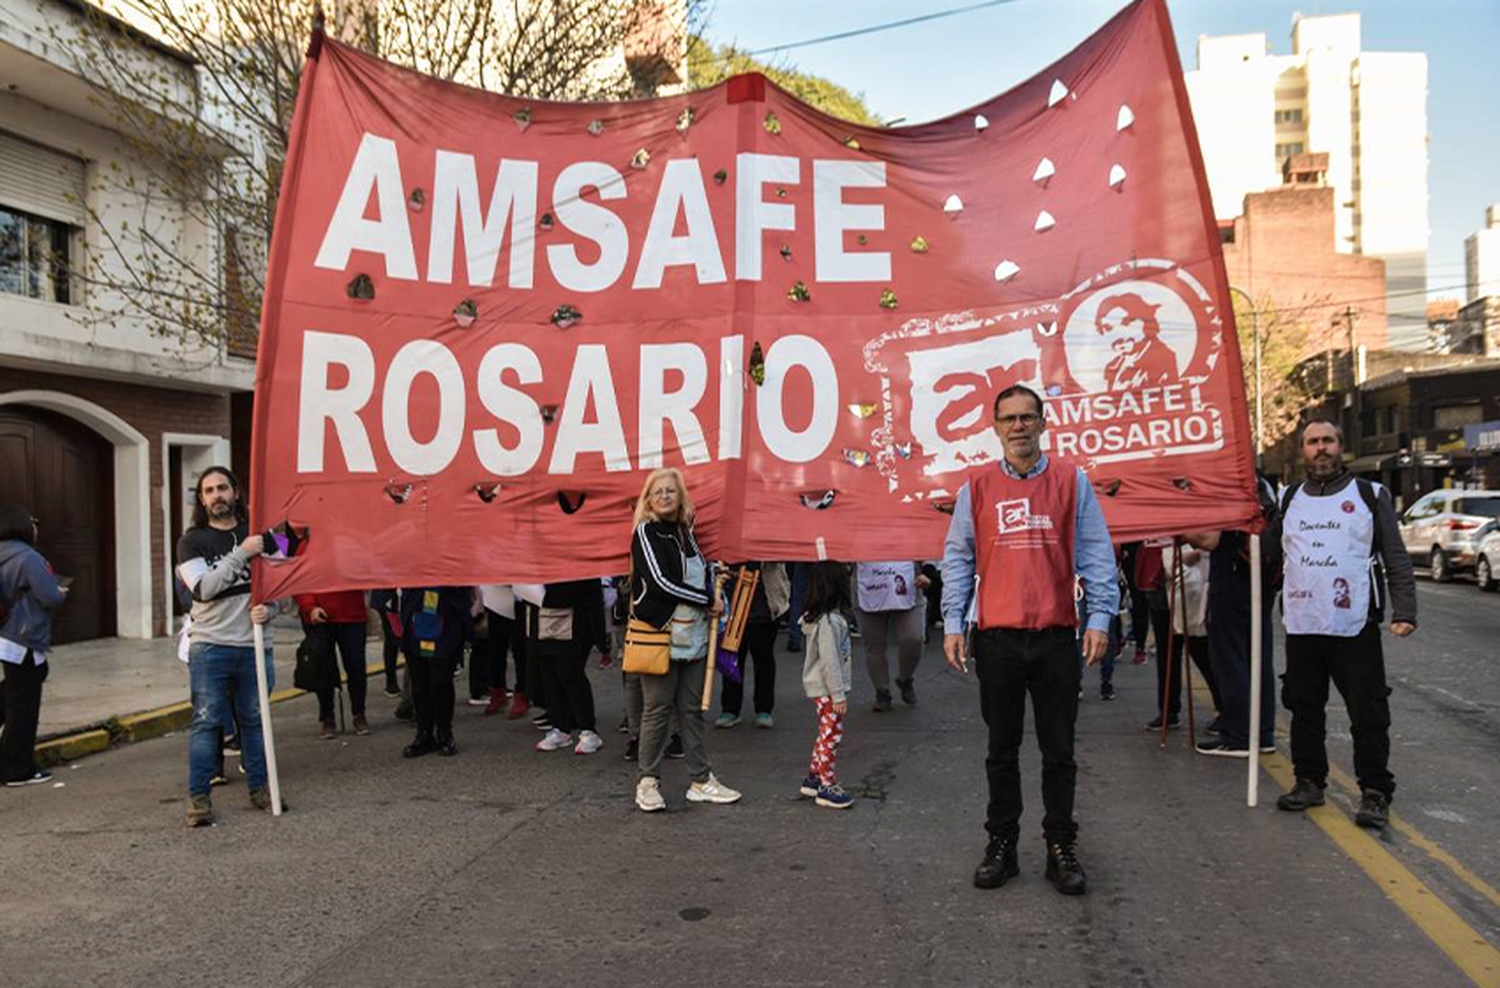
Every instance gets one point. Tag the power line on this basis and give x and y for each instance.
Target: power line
(857, 32)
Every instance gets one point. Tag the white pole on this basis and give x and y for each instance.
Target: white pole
(1252, 784)
(263, 689)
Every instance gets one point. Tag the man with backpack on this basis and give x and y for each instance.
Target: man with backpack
(1341, 543)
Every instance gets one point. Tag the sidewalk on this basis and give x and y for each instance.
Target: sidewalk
(110, 690)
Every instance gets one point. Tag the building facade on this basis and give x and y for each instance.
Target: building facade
(1367, 111)
(1482, 258)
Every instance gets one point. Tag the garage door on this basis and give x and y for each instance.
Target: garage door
(64, 473)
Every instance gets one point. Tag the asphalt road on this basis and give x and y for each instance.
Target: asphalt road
(510, 867)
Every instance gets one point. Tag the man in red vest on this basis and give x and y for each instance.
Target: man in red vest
(1024, 529)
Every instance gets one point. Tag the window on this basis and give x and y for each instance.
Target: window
(1488, 507)
(1391, 420)
(1425, 508)
(34, 256)
(1455, 416)
(1287, 150)
(1289, 116)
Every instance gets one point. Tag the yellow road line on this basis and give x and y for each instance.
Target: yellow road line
(1433, 850)
(1444, 927)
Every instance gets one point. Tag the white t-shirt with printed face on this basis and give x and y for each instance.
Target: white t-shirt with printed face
(1328, 582)
(886, 586)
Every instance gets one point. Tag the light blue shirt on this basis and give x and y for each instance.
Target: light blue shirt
(1093, 556)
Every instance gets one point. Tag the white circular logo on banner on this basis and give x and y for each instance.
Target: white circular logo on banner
(1129, 335)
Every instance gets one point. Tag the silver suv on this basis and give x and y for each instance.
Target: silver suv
(1442, 529)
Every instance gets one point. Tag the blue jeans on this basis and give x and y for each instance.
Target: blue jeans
(221, 675)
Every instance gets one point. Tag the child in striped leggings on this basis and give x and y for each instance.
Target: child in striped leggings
(826, 676)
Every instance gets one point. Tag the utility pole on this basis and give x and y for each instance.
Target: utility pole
(1260, 429)
(1357, 404)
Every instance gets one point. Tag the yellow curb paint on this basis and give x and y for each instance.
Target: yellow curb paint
(1432, 848)
(1461, 942)
(71, 747)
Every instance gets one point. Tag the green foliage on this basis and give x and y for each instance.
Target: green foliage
(708, 66)
(1283, 343)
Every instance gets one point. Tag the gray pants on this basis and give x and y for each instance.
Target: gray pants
(878, 627)
(679, 692)
(635, 706)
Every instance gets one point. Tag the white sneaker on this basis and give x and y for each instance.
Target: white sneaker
(588, 743)
(479, 701)
(648, 795)
(554, 740)
(712, 791)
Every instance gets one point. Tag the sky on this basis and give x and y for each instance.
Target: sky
(929, 70)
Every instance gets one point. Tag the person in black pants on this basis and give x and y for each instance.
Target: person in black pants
(569, 624)
(385, 603)
(436, 622)
(30, 592)
(759, 646)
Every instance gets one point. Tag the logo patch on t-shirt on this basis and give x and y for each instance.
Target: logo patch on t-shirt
(1015, 516)
(1348, 507)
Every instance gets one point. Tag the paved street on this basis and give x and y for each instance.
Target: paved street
(512, 867)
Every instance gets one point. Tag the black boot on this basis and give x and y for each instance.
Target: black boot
(999, 864)
(1063, 869)
(1304, 794)
(1372, 810)
(423, 744)
(446, 746)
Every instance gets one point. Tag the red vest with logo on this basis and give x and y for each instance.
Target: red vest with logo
(1023, 546)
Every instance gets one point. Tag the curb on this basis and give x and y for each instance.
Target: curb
(129, 729)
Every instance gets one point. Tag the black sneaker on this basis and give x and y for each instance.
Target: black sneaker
(34, 779)
(882, 701)
(633, 750)
(1063, 869)
(1222, 748)
(422, 744)
(1373, 810)
(999, 865)
(1154, 724)
(674, 747)
(1106, 691)
(1304, 794)
(446, 746)
(218, 778)
(403, 711)
(391, 689)
(624, 727)
(908, 691)
(1212, 727)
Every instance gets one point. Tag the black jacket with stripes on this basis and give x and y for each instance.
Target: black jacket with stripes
(659, 551)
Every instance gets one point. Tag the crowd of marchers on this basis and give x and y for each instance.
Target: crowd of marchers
(1030, 590)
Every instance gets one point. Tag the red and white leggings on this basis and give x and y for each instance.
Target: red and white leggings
(830, 733)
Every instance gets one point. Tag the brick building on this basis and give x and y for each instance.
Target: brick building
(1281, 252)
(103, 423)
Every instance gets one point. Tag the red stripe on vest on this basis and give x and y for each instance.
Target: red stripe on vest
(1023, 546)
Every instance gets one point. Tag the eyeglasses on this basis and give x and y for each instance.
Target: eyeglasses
(1028, 420)
(665, 494)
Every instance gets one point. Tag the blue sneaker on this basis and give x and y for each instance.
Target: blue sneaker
(834, 797)
(764, 720)
(810, 785)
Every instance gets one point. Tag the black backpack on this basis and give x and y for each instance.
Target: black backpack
(317, 668)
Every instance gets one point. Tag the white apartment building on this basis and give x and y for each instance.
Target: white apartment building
(1482, 257)
(1366, 110)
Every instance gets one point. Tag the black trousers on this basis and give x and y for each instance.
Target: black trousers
(1229, 654)
(431, 680)
(20, 711)
(1357, 667)
(570, 696)
(759, 646)
(349, 641)
(488, 669)
(1197, 649)
(1012, 663)
(392, 654)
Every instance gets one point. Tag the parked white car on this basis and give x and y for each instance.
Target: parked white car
(1442, 530)
(1487, 559)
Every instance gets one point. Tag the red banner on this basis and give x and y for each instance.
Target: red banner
(487, 318)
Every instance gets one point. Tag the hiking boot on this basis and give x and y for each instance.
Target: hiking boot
(498, 701)
(1304, 794)
(1106, 691)
(554, 741)
(882, 701)
(1063, 869)
(648, 795)
(999, 865)
(1373, 810)
(711, 790)
(810, 785)
(908, 690)
(200, 811)
(727, 720)
(328, 730)
(674, 747)
(423, 744)
(588, 743)
(361, 726)
(261, 800)
(834, 797)
(518, 706)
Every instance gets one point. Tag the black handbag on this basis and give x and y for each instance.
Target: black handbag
(317, 669)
